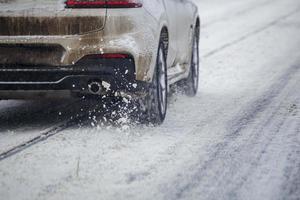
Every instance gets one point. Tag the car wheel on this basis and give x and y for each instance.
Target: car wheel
(190, 84)
(153, 107)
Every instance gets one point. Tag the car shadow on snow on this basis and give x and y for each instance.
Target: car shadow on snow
(19, 115)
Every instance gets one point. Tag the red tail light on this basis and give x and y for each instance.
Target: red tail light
(103, 4)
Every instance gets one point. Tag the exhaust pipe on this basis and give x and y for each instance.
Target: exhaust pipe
(95, 87)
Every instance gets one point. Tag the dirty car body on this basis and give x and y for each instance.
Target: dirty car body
(51, 46)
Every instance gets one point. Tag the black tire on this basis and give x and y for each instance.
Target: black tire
(191, 83)
(153, 107)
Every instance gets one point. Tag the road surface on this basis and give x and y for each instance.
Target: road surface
(239, 138)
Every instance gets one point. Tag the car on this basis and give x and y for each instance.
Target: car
(73, 48)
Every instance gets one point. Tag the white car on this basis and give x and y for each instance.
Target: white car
(99, 47)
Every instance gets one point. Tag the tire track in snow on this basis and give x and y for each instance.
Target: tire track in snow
(271, 131)
(235, 129)
(79, 119)
(20, 124)
(291, 185)
(250, 34)
(260, 104)
(266, 133)
(43, 136)
(238, 13)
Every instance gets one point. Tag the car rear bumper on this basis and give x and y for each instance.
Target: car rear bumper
(115, 76)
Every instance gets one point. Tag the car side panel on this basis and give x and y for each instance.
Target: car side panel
(185, 11)
(170, 9)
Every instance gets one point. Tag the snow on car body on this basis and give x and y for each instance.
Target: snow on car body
(75, 46)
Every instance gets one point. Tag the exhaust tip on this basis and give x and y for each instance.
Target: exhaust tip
(95, 87)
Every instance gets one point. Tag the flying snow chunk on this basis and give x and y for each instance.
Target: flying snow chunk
(106, 85)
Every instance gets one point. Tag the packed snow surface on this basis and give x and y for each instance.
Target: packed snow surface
(239, 138)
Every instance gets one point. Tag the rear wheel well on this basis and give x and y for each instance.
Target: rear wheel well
(164, 37)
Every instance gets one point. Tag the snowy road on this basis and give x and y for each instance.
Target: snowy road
(239, 138)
